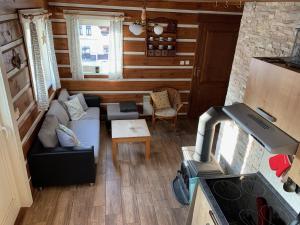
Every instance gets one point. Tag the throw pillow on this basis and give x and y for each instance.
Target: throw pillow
(161, 100)
(63, 96)
(47, 134)
(57, 110)
(81, 100)
(75, 109)
(66, 136)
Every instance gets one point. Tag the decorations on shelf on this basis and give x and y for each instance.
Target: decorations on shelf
(161, 36)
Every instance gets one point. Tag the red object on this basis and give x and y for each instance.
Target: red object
(279, 163)
(262, 211)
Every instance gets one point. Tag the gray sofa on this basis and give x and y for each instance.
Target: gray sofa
(57, 165)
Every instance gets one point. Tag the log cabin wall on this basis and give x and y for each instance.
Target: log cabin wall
(27, 115)
(141, 74)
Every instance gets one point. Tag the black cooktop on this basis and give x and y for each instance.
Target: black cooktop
(249, 200)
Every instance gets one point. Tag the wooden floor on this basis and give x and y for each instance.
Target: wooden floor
(136, 192)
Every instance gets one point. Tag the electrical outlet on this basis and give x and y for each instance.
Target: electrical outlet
(187, 62)
(182, 62)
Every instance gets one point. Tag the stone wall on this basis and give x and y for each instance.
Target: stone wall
(267, 29)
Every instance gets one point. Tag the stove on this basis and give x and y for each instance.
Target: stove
(246, 200)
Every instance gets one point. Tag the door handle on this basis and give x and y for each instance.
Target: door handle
(212, 215)
(4, 130)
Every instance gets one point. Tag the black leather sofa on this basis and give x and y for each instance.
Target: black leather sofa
(66, 165)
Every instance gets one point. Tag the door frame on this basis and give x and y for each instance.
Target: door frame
(199, 54)
(14, 144)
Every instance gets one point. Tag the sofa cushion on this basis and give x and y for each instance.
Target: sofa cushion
(66, 137)
(57, 110)
(88, 133)
(75, 109)
(168, 112)
(92, 113)
(81, 100)
(63, 96)
(47, 134)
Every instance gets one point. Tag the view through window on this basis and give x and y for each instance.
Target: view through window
(94, 44)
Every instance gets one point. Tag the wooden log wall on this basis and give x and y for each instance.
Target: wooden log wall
(27, 115)
(141, 74)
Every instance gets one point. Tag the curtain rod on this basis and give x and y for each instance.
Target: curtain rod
(31, 16)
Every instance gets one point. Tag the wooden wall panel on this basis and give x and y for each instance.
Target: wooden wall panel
(114, 98)
(157, 73)
(91, 85)
(145, 70)
(63, 58)
(7, 56)
(64, 72)
(59, 28)
(24, 127)
(231, 7)
(61, 43)
(19, 81)
(10, 31)
(141, 60)
(24, 101)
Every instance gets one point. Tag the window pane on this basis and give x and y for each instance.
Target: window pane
(95, 48)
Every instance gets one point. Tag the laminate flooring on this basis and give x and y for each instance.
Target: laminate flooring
(135, 192)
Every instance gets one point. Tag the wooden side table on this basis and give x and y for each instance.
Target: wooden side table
(126, 131)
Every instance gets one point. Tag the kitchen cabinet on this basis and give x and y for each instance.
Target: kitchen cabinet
(200, 212)
(275, 88)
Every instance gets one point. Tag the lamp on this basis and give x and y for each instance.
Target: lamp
(158, 29)
(138, 26)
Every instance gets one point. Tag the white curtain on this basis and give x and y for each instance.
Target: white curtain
(74, 46)
(116, 49)
(39, 70)
(51, 56)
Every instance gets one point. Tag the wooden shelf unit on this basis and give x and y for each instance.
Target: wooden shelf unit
(170, 31)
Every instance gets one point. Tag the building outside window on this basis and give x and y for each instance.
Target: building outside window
(80, 30)
(88, 30)
(95, 46)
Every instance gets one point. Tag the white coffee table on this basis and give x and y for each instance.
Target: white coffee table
(124, 131)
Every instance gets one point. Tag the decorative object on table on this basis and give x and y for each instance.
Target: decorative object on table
(280, 163)
(163, 37)
(294, 59)
(165, 111)
(16, 60)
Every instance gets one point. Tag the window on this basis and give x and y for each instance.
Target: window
(100, 50)
(95, 48)
(88, 30)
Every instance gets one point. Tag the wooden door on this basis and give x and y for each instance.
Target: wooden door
(8, 203)
(215, 51)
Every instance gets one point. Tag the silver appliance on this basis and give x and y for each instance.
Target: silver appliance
(198, 161)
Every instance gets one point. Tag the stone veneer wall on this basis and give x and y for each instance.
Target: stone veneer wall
(267, 29)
